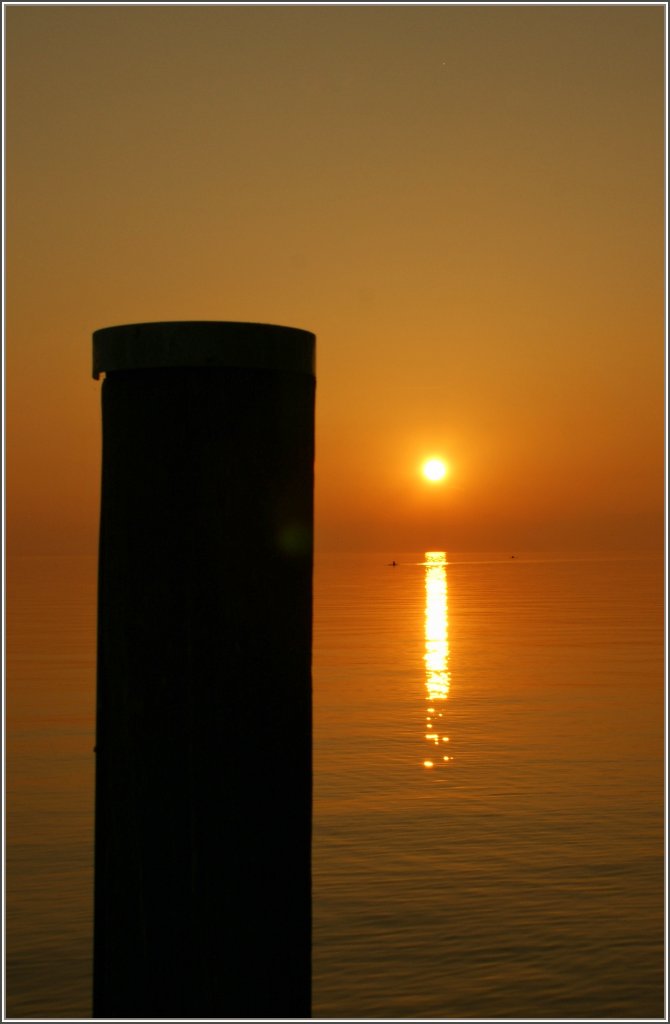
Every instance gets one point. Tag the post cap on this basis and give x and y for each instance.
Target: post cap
(203, 343)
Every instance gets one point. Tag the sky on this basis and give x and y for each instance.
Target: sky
(464, 203)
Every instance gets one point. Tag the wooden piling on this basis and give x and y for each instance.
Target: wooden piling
(203, 773)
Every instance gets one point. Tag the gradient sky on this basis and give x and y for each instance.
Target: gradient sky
(464, 203)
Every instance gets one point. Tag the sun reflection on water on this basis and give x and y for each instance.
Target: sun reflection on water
(436, 656)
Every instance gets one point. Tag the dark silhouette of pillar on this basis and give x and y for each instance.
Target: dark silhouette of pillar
(203, 771)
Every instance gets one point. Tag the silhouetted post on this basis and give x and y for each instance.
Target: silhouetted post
(203, 780)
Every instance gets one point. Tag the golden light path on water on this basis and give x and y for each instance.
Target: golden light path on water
(436, 656)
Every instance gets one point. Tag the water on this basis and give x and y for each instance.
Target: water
(520, 877)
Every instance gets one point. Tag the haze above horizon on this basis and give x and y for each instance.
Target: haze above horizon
(464, 203)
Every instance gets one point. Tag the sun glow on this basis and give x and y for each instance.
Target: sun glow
(434, 470)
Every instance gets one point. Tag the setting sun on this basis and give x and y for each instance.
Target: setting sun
(434, 470)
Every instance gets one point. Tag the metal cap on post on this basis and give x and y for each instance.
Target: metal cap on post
(203, 773)
(202, 344)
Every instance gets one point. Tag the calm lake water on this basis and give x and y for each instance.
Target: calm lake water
(489, 772)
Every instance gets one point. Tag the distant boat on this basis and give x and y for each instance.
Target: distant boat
(393, 562)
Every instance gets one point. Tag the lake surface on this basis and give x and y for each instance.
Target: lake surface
(489, 773)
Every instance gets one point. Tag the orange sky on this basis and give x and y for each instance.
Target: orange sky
(465, 204)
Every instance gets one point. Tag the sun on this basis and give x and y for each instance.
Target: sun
(434, 470)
